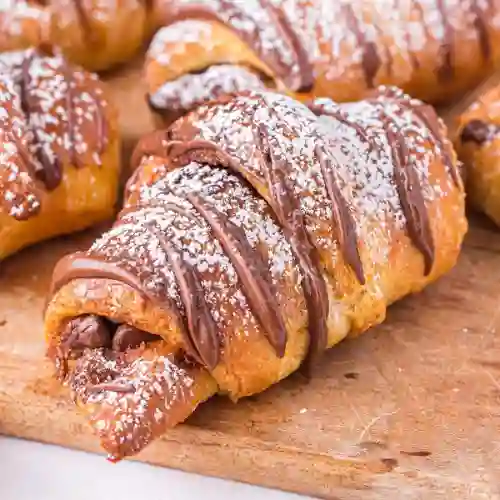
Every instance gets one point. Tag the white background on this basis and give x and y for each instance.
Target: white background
(32, 471)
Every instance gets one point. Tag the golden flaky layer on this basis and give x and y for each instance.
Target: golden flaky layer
(256, 233)
(59, 150)
(433, 50)
(96, 34)
(478, 145)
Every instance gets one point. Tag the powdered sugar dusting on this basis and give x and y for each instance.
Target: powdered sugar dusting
(364, 171)
(340, 37)
(175, 39)
(192, 90)
(163, 205)
(255, 22)
(19, 21)
(128, 421)
(51, 117)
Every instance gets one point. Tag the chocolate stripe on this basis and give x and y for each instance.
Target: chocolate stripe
(445, 71)
(430, 120)
(252, 272)
(410, 194)
(343, 221)
(371, 61)
(481, 28)
(82, 266)
(51, 173)
(202, 339)
(292, 221)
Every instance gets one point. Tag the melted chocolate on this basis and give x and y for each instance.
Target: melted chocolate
(128, 337)
(371, 61)
(342, 218)
(83, 266)
(51, 173)
(430, 120)
(154, 144)
(479, 132)
(289, 216)
(410, 195)
(84, 21)
(201, 339)
(291, 219)
(319, 109)
(240, 23)
(445, 71)
(85, 332)
(480, 25)
(252, 272)
(306, 82)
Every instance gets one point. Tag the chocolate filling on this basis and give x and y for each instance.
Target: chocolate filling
(95, 332)
(479, 132)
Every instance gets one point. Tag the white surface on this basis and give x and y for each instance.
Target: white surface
(32, 471)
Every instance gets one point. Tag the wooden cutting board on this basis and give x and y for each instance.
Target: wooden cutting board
(409, 410)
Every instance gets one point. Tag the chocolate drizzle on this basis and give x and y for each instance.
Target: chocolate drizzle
(306, 74)
(287, 56)
(84, 21)
(82, 266)
(279, 141)
(428, 117)
(252, 271)
(479, 132)
(53, 122)
(201, 336)
(339, 115)
(291, 219)
(410, 194)
(51, 173)
(342, 218)
(445, 71)
(371, 61)
(481, 27)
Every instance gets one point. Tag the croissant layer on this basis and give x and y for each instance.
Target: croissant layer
(59, 149)
(433, 49)
(257, 232)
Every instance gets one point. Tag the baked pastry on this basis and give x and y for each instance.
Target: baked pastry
(96, 34)
(256, 233)
(59, 150)
(477, 141)
(432, 49)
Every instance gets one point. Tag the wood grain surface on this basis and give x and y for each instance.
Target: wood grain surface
(410, 410)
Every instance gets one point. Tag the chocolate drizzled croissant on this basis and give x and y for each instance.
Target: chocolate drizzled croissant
(433, 49)
(256, 233)
(54, 119)
(95, 34)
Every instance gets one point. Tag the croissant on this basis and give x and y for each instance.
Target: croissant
(256, 233)
(477, 142)
(59, 150)
(96, 34)
(434, 49)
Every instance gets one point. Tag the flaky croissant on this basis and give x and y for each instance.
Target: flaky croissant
(432, 49)
(59, 150)
(96, 34)
(257, 232)
(477, 141)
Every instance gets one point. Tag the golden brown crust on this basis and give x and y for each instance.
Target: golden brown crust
(94, 34)
(60, 150)
(433, 50)
(163, 227)
(477, 142)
